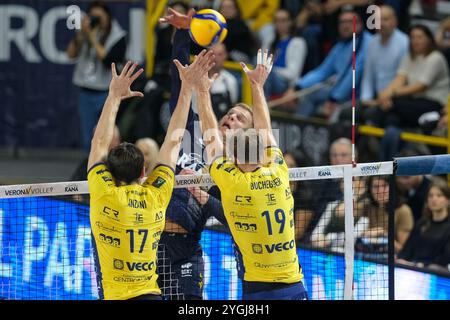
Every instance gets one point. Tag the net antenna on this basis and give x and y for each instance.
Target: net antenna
(349, 189)
(354, 92)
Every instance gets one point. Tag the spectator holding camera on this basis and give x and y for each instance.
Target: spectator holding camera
(100, 42)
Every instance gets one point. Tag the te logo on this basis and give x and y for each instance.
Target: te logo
(74, 17)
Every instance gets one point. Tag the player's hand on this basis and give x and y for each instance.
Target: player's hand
(191, 75)
(120, 84)
(259, 75)
(201, 196)
(178, 20)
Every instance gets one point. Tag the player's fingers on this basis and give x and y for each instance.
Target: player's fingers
(172, 11)
(203, 58)
(178, 65)
(215, 76)
(269, 63)
(264, 60)
(244, 67)
(131, 70)
(113, 70)
(136, 94)
(137, 74)
(191, 13)
(125, 69)
(162, 20)
(258, 57)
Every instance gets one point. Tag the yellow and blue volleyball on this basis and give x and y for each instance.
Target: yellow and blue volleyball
(208, 27)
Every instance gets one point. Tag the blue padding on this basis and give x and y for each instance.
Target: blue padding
(412, 166)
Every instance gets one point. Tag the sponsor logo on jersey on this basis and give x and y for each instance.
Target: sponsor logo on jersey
(132, 279)
(138, 218)
(288, 193)
(271, 200)
(102, 226)
(133, 266)
(280, 246)
(157, 234)
(158, 182)
(282, 264)
(243, 200)
(257, 248)
(278, 159)
(159, 216)
(112, 241)
(242, 216)
(245, 227)
(186, 270)
(118, 264)
(110, 213)
(101, 171)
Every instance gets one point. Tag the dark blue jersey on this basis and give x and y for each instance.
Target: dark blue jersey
(183, 209)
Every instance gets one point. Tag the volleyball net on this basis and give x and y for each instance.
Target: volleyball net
(343, 216)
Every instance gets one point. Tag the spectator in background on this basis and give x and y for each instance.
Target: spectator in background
(374, 207)
(443, 38)
(100, 42)
(329, 232)
(150, 150)
(289, 55)
(429, 243)
(338, 63)
(259, 15)
(225, 89)
(422, 83)
(240, 42)
(421, 86)
(385, 52)
(309, 26)
(413, 189)
(325, 191)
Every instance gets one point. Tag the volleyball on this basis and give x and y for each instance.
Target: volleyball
(208, 27)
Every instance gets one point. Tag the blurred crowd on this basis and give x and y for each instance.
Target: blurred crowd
(402, 81)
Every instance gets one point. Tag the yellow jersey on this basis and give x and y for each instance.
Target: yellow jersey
(259, 209)
(126, 223)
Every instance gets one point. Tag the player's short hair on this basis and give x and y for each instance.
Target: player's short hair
(245, 106)
(125, 163)
(247, 146)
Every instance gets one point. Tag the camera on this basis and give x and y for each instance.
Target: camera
(95, 21)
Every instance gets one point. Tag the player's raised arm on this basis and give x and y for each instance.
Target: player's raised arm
(119, 89)
(257, 78)
(168, 154)
(212, 137)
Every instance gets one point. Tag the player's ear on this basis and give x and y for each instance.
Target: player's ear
(142, 172)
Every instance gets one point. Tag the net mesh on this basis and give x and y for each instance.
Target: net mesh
(47, 252)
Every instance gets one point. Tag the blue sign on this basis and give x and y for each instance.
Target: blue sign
(46, 253)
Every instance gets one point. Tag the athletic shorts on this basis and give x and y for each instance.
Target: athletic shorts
(180, 267)
(295, 291)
